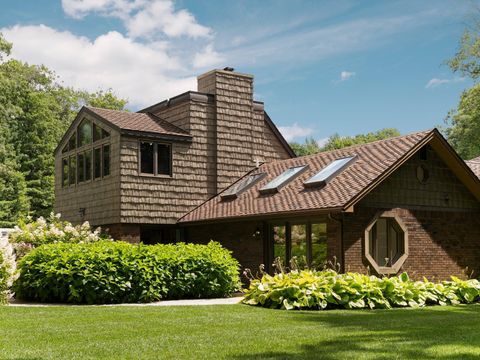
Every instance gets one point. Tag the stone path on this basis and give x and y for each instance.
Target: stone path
(192, 302)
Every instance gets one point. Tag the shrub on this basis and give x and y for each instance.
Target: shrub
(307, 289)
(51, 230)
(116, 272)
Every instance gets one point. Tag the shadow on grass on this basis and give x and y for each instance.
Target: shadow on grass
(428, 333)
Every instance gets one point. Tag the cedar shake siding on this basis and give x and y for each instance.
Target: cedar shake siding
(214, 137)
(441, 191)
(100, 198)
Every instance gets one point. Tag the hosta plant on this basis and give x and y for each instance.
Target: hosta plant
(327, 289)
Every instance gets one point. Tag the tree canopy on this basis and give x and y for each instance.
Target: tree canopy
(463, 130)
(35, 111)
(338, 142)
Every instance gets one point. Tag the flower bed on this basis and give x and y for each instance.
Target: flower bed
(307, 289)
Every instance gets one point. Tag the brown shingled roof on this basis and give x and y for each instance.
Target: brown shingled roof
(374, 161)
(137, 122)
(474, 164)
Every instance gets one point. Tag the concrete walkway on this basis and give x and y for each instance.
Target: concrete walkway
(191, 302)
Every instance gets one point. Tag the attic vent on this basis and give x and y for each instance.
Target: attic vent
(329, 172)
(236, 189)
(283, 179)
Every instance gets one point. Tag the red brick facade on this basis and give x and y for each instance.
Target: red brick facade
(441, 243)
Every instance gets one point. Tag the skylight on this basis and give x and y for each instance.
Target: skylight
(242, 185)
(329, 172)
(281, 180)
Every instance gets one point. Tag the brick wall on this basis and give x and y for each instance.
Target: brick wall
(237, 237)
(441, 243)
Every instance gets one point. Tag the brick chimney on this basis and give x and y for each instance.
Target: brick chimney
(238, 126)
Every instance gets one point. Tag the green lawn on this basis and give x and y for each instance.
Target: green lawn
(238, 332)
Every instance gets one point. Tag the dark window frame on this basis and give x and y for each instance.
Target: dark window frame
(155, 158)
(288, 224)
(77, 151)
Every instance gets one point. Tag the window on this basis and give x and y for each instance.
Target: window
(85, 133)
(386, 246)
(72, 141)
(106, 160)
(72, 169)
(329, 172)
(99, 133)
(97, 160)
(155, 158)
(80, 168)
(82, 160)
(306, 242)
(236, 189)
(65, 172)
(147, 151)
(88, 165)
(283, 179)
(163, 159)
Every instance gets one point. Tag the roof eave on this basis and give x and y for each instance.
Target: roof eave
(265, 216)
(154, 135)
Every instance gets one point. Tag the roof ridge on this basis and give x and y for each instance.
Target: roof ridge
(426, 132)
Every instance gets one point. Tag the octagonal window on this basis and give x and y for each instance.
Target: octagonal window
(386, 244)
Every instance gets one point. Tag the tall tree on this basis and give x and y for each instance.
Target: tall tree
(338, 142)
(463, 130)
(35, 111)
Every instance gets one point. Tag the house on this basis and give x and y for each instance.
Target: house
(211, 165)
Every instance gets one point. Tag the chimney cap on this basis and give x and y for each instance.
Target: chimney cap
(228, 68)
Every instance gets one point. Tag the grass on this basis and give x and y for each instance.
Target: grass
(237, 332)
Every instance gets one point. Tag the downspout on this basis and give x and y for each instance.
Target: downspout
(342, 257)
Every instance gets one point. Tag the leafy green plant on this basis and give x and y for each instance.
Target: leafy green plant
(308, 289)
(31, 234)
(116, 272)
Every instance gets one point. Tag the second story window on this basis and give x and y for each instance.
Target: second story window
(155, 158)
(87, 154)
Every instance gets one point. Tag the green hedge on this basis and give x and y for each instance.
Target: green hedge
(327, 289)
(115, 272)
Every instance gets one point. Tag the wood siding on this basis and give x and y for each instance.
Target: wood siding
(100, 198)
(228, 135)
(442, 190)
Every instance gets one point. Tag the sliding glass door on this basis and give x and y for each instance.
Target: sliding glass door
(305, 242)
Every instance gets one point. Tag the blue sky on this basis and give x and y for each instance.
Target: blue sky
(321, 67)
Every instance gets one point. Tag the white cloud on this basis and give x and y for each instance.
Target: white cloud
(208, 57)
(143, 73)
(142, 18)
(294, 131)
(322, 142)
(437, 82)
(345, 75)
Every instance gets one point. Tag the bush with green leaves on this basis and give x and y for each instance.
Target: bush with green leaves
(308, 289)
(31, 234)
(118, 272)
